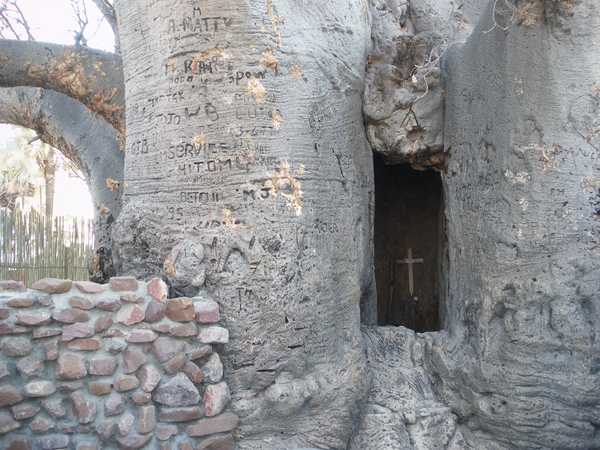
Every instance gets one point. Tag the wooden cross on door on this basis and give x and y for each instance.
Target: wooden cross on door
(410, 261)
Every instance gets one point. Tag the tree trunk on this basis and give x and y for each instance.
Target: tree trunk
(249, 176)
(519, 360)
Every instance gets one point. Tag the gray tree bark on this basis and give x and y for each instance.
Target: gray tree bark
(93, 77)
(519, 358)
(249, 175)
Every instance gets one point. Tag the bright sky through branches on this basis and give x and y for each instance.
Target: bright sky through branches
(55, 21)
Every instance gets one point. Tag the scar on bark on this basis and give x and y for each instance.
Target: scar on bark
(275, 21)
(257, 90)
(536, 11)
(245, 148)
(277, 119)
(172, 63)
(5, 60)
(280, 181)
(217, 51)
(548, 158)
(169, 266)
(268, 60)
(591, 181)
(298, 72)
(113, 185)
(198, 141)
(230, 222)
(104, 210)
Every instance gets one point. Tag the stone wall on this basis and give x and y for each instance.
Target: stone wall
(87, 366)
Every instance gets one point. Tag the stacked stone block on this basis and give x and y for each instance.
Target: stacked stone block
(85, 366)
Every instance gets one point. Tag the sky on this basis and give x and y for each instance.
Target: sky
(55, 21)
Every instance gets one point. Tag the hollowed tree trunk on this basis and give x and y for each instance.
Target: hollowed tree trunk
(248, 175)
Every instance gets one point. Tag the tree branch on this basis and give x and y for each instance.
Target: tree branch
(82, 136)
(7, 23)
(109, 13)
(82, 19)
(11, 13)
(21, 19)
(93, 77)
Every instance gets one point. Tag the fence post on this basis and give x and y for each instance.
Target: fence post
(67, 262)
(32, 247)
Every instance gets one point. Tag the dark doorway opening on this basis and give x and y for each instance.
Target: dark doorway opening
(408, 220)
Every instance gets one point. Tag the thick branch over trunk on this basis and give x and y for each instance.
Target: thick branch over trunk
(82, 136)
(93, 77)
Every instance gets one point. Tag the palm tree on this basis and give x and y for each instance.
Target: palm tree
(26, 164)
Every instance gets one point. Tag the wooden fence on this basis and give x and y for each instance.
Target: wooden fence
(32, 247)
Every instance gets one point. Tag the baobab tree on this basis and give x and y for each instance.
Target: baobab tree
(239, 132)
(248, 174)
